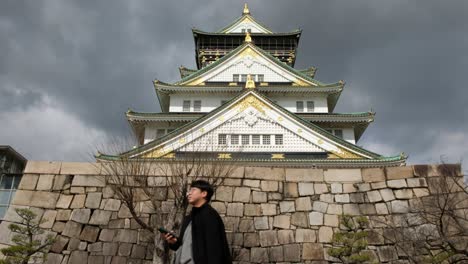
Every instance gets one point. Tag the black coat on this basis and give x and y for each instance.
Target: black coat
(209, 242)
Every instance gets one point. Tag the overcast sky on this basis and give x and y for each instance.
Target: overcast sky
(70, 69)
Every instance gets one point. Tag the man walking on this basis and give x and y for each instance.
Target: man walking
(202, 238)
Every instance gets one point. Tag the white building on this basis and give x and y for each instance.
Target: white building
(247, 102)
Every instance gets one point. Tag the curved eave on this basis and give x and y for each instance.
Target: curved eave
(304, 77)
(296, 32)
(319, 163)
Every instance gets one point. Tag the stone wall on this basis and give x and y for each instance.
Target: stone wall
(271, 215)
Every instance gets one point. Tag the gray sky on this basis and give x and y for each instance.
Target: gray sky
(70, 69)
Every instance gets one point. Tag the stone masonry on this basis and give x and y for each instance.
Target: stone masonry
(271, 215)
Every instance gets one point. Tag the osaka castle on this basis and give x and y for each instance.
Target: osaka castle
(246, 102)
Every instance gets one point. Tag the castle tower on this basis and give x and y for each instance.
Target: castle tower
(246, 102)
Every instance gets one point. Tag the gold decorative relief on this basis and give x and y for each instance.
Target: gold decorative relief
(224, 155)
(320, 141)
(345, 154)
(182, 140)
(253, 101)
(280, 118)
(170, 155)
(277, 156)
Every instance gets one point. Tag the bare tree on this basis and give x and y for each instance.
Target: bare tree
(436, 229)
(154, 189)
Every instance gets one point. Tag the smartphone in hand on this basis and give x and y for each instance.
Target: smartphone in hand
(165, 231)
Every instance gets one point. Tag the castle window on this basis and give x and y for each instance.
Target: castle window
(266, 139)
(245, 139)
(235, 77)
(260, 77)
(310, 106)
(234, 139)
(299, 106)
(186, 106)
(278, 139)
(160, 133)
(8, 186)
(255, 139)
(339, 133)
(197, 105)
(249, 30)
(222, 139)
(243, 77)
(243, 30)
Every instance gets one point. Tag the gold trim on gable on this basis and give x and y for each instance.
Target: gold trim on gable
(224, 156)
(253, 101)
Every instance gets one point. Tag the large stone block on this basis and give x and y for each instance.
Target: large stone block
(45, 182)
(320, 188)
(351, 209)
(22, 197)
(251, 183)
(251, 240)
(335, 209)
(331, 220)
(320, 206)
(303, 204)
(336, 188)
(374, 196)
(387, 195)
(259, 255)
(81, 215)
(43, 167)
(126, 236)
(305, 235)
(299, 219)
(252, 210)
(72, 229)
(275, 254)
(89, 181)
(261, 223)
(394, 173)
(325, 234)
(59, 244)
(304, 175)
(399, 206)
(342, 198)
(265, 173)
(287, 207)
(268, 238)
(342, 175)
(387, 253)
(290, 190)
(373, 174)
(107, 235)
(224, 193)
(157, 181)
(100, 217)
(64, 201)
(44, 199)
(268, 209)
(241, 194)
(401, 183)
(246, 225)
(81, 168)
(306, 188)
(269, 186)
(28, 182)
(315, 218)
(89, 233)
(292, 252)
(259, 197)
(312, 251)
(285, 236)
(93, 200)
(78, 257)
(112, 205)
(282, 221)
(78, 201)
(48, 219)
(235, 209)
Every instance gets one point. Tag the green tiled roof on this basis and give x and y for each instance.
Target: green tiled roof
(268, 55)
(224, 29)
(284, 111)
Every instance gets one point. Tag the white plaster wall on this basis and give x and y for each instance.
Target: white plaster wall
(208, 101)
(289, 102)
(253, 67)
(246, 25)
(291, 141)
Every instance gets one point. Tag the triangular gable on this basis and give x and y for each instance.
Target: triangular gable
(250, 107)
(245, 22)
(248, 59)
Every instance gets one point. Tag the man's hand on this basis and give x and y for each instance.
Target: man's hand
(169, 238)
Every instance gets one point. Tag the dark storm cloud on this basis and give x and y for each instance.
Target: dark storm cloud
(90, 61)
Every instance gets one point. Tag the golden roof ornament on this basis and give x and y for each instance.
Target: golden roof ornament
(250, 83)
(248, 38)
(246, 9)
